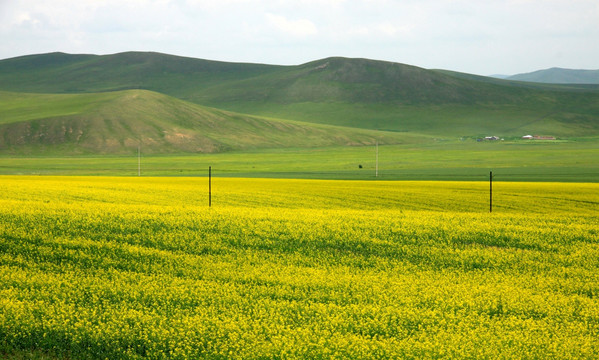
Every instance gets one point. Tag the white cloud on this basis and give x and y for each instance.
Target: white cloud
(361, 31)
(24, 18)
(381, 31)
(388, 29)
(506, 36)
(297, 28)
(216, 5)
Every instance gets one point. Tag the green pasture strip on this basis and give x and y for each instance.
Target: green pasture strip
(135, 268)
(444, 121)
(459, 160)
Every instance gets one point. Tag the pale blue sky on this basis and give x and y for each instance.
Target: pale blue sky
(480, 37)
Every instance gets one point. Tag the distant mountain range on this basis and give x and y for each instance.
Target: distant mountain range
(557, 76)
(90, 103)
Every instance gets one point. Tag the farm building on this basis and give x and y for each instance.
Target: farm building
(538, 137)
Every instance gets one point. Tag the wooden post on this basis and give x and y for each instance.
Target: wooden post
(491, 191)
(139, 161)
(209, 186)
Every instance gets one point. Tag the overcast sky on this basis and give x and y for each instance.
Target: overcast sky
(475, 36)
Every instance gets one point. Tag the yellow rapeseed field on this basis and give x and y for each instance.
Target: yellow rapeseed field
(142, 268)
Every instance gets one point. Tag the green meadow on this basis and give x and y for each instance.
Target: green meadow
(73, 114)
(573, 161)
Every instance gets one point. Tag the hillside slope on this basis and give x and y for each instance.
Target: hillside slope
(119, 122)
(380, 95)
(356, 93)
(168, 74)
(559, 76)
(332, 79)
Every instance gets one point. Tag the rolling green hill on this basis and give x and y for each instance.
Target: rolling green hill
(357, 93)
(560, 76)
(387, 96)
(118, 122)
(172, 75)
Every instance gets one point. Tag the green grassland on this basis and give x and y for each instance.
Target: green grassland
(348, 92)
(560, 76)
(65, 73)
(440, 121)
(316, 120)
(385, 96)
(118, 122)
(442, 160)
(136, 268)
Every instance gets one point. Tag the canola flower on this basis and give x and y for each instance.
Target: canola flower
(138, 268)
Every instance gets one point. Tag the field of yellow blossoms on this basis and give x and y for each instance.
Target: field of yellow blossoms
(142, 268)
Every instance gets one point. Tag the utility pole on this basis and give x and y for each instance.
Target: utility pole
(376, 166)
(138, 160)
(490, 191)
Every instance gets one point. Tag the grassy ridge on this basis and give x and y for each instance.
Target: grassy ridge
(133, 268)
(349, 92)
(560, 76)
(443, 121)
(118, 122)
(21, 107)
(65, 73)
